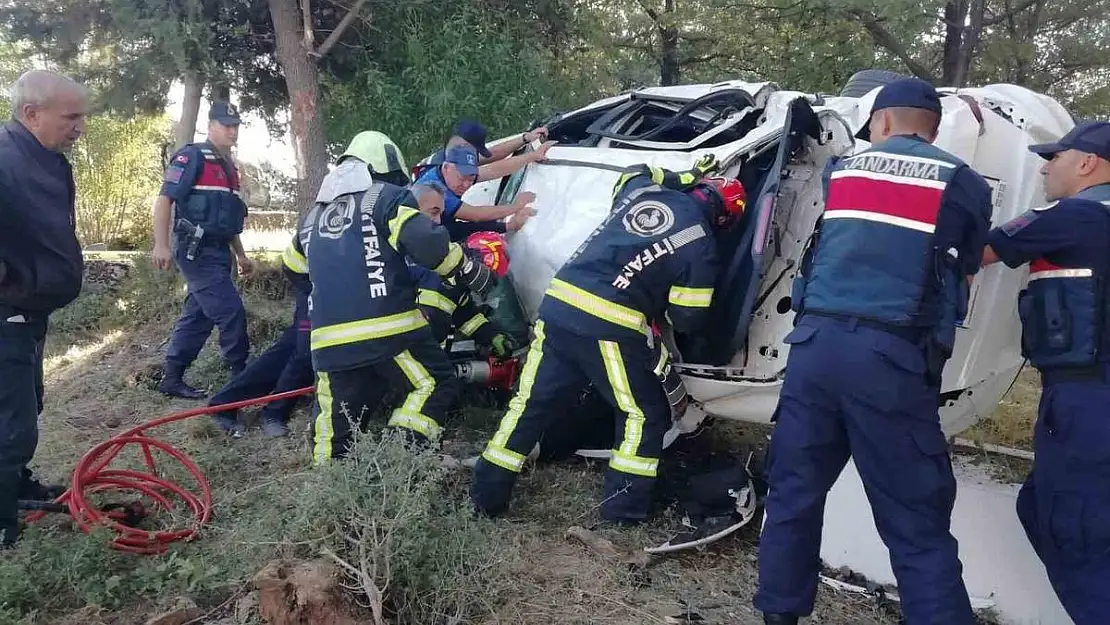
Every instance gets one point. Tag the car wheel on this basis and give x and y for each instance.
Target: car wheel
(863, 81)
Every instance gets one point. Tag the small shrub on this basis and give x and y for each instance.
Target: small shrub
(411, 546)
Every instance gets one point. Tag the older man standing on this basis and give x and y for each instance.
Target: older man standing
(40, 265)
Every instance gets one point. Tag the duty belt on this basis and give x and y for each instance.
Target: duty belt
(911, 334)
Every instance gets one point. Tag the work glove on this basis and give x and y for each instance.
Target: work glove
(707, 164)
(476, 276)
(502, 345)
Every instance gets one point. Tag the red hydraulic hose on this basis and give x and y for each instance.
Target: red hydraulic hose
(93, 475)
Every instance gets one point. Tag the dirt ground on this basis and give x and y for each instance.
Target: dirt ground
(102, 365)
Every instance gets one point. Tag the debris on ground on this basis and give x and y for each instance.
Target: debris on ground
(302, 593)
(185, 611)
(605, 548)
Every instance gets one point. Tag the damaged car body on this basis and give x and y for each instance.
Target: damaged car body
(776, 142)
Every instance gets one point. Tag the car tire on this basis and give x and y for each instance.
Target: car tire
(863, 81)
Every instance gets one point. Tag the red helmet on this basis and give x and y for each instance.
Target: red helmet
(727, 197)
(491, 247)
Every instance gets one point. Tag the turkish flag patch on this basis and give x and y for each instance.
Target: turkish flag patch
(173, 174)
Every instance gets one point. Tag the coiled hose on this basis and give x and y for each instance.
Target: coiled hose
(93, 474)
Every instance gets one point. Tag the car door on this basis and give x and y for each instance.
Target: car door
(746, 250)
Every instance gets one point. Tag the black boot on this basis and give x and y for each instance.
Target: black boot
(173, 385)
(780, 619)
(9, 507)
(32, 489)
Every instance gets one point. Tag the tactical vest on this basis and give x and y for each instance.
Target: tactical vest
(214, 202)
(363, 299)
(1063, 309)
(874, 256)
(618, 280)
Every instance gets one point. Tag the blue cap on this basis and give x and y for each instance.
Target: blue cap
(474, 133)
(224, 112)
(464, 158)
(1091, 137)
(907, 92)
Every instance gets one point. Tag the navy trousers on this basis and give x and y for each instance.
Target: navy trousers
(1064, 504)
(559, 364)
(348, 399)
(21, 391)
(285, 366)
(212, 301)
(857, 391)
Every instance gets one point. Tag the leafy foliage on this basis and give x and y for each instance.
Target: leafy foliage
(117, 168)
(441, 72)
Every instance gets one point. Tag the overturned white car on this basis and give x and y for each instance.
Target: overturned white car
(777, 143)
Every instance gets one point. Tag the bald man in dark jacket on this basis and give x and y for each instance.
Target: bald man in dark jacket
(40, 266)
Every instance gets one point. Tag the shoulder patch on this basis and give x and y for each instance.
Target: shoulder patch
(173, 174)
(181, 158)
(336, 217)
(1019, 223)
(648, 219)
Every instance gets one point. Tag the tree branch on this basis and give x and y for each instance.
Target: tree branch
(693, 37)
(995, 19)
(703, 59)
(306, 15)
(652, 13)
(342, 27)
(883, 37)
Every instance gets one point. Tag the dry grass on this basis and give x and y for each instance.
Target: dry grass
(98, 386)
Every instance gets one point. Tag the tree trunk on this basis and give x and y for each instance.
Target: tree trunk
(309, 146)
(186, 127)
(971, 37)
(955, 12)
(669, 68)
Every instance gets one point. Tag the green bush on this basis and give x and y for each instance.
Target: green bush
(117, 169)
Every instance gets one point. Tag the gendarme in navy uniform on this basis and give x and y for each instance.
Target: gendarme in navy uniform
(40, 266)
(199, 215)
(1064, 504)
(878, 300)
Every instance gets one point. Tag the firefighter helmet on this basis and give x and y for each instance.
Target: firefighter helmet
(726, 197)
(491, 248)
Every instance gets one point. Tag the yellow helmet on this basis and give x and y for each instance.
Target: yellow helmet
(378, 151)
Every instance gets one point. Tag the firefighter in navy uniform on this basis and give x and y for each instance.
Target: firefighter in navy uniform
(1064, 504)
(287, 364)
(200, 210)
(366, 328)
(654, 254)
(879, 297)
(447, 305)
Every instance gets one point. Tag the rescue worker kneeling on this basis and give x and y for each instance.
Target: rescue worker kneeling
(654, 254)
(447, 305)
(366, 329)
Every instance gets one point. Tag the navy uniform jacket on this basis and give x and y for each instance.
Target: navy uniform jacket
(654, 254)
(40, 257)
(964, 219)
(205, 188)
(1062, 238)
